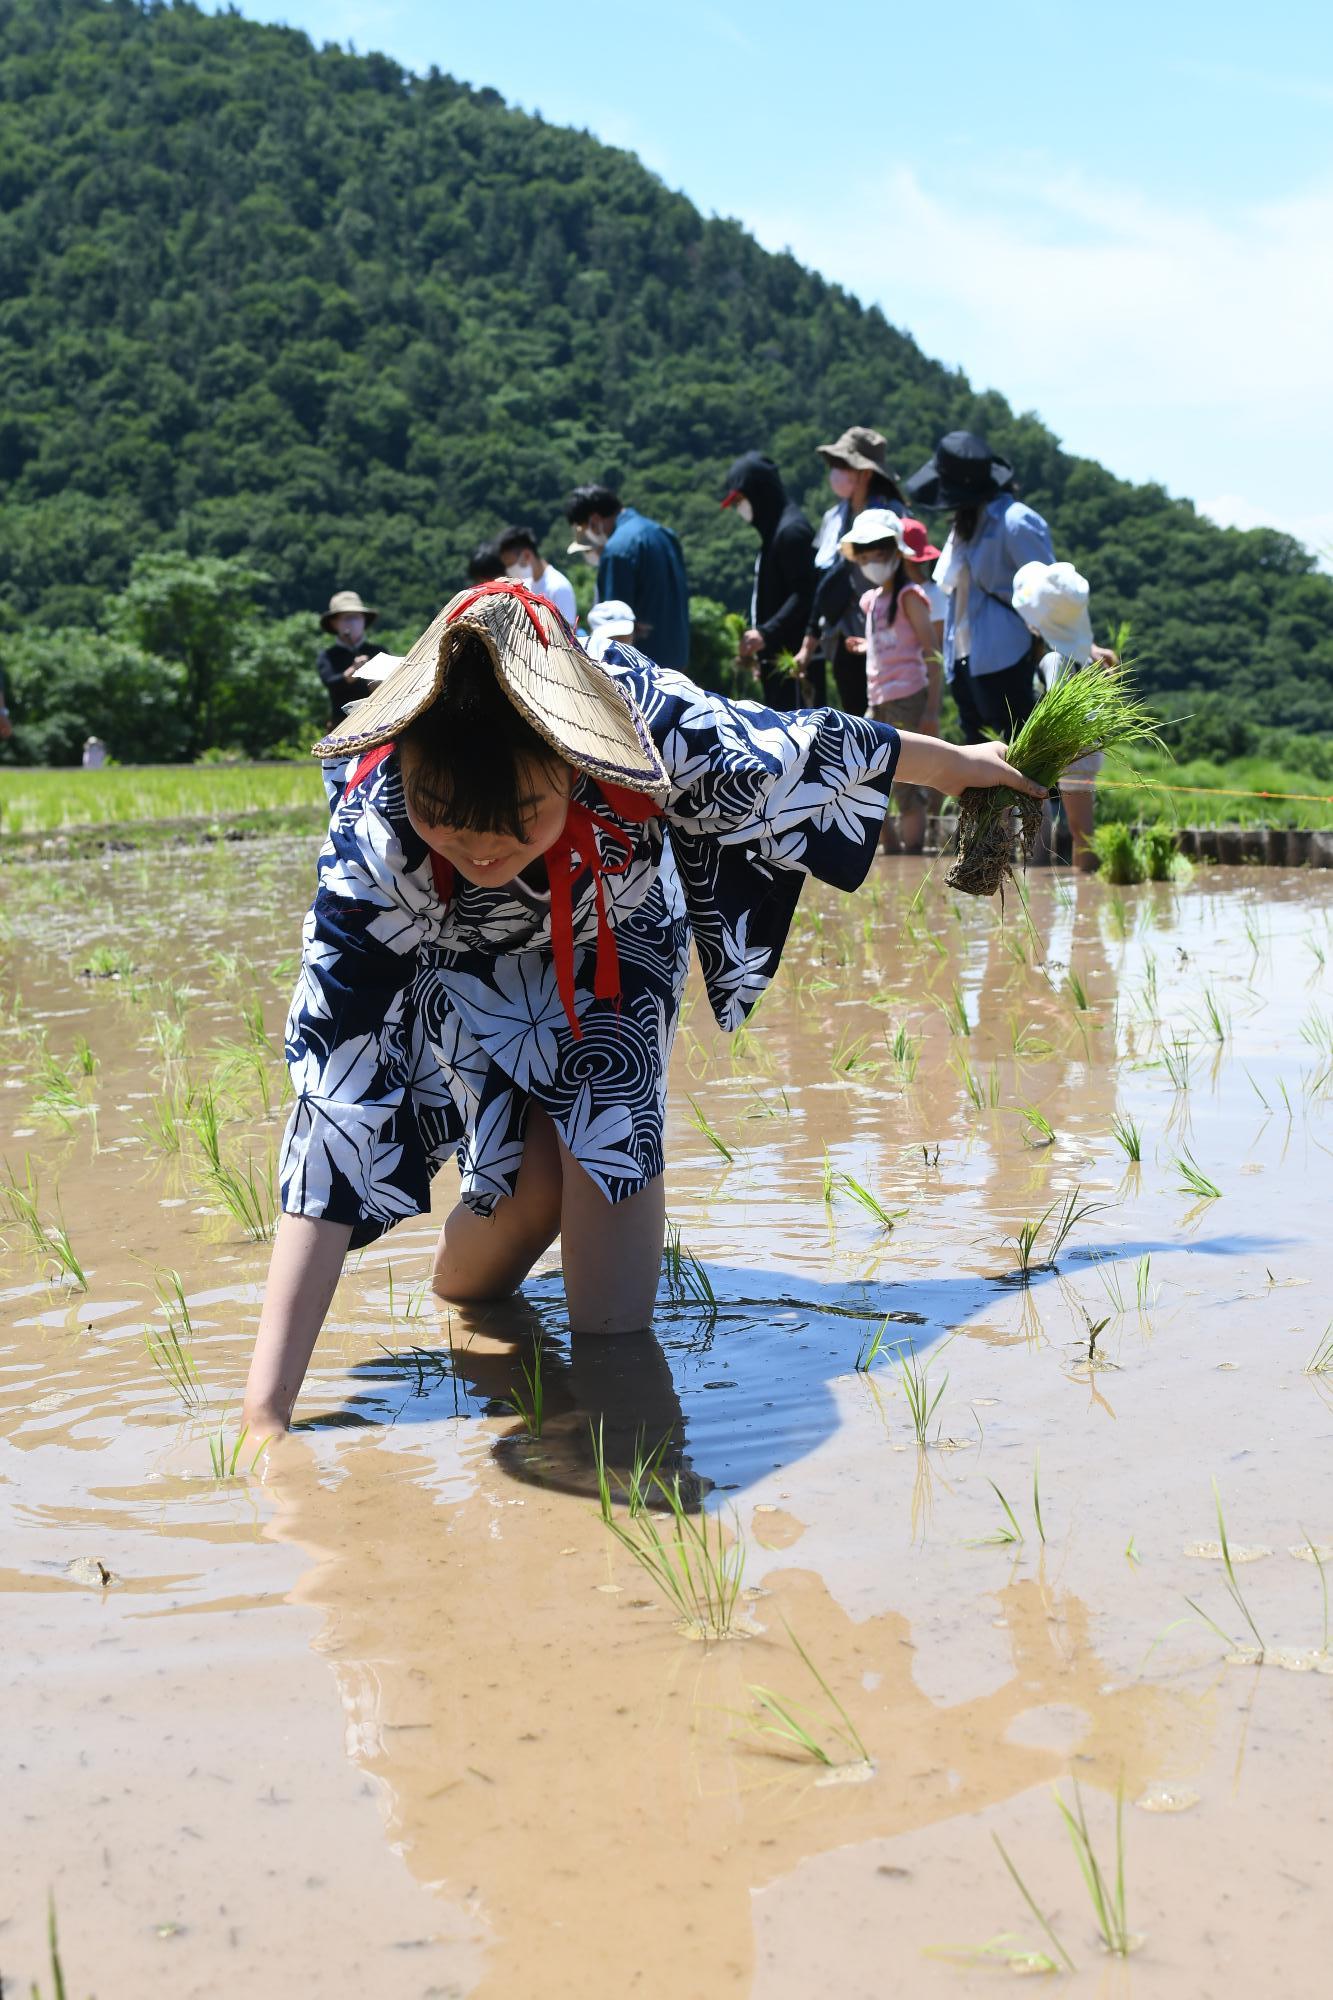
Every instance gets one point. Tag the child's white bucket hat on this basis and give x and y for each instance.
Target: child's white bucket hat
(1052, 601)
(871, 526)
(569, 700)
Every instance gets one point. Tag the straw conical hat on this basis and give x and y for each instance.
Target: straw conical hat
(569, 700)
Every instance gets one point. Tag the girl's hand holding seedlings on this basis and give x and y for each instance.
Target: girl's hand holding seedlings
(960, 767)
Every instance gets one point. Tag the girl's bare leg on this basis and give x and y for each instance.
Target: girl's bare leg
(302, 1275)
(611, 1253)
(488, 1257)
(1078, 811)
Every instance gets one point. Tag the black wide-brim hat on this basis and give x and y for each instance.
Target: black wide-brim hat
(962, 471)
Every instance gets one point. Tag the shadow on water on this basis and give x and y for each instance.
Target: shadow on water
(732, 1391)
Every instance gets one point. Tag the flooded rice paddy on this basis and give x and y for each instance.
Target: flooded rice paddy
(393, 1712)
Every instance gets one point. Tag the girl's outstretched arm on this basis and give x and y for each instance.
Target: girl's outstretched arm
(959, 767)
(303, 1273)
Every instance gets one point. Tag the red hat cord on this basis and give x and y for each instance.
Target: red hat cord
(502, 587)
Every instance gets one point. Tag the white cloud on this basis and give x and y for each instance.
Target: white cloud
(1170, 342)
(1233, 510)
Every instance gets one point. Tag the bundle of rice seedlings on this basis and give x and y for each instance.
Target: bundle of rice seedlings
(1092, 709)
(1160, 844)
(1120, 858)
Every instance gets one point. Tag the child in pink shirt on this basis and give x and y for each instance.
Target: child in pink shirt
(902, 662)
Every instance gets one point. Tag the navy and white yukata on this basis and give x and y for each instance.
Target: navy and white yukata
(431, 1014)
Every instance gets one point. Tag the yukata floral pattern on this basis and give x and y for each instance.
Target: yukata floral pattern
(422, 1027)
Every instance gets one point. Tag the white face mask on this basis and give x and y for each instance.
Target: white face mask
(590, 556)
(745, 510)
(843, 481)
(597, 536)
(877, 572)
(520, 572)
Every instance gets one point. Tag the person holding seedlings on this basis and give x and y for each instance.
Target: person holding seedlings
(859, 476)
(988, 651)
(784, 578)
(525, 845)
(902, 666)
(1052, 601)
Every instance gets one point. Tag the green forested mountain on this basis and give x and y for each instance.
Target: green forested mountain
(302, 309)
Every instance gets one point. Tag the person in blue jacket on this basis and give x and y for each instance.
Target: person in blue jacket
(639, 563)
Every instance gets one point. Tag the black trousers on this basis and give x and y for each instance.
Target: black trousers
(782, 691)
(995, 704)
(849, 674)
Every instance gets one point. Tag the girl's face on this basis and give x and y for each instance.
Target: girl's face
(492, 859)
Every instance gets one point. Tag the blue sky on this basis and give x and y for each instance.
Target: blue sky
(1121, 217)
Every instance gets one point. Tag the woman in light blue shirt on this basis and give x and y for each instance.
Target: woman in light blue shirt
(988, 651)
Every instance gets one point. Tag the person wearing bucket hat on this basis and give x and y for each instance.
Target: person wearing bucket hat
(1052, 601)
(859, 475)
(988, 653)
(338, 666)
(525, 844)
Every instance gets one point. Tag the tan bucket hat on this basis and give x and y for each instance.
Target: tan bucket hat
(569, 700)
(342, 604)
(860, 448)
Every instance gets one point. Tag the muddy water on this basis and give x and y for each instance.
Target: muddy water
(393, 1714)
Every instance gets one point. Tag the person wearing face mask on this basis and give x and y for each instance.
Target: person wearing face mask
(639, 562)
(897, 648)
(523, 562)
(346, 621)
(784, 578)
(859, 477)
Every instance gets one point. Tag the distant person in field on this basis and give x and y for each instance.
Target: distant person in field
(897, 648)
(523, 562)
(989, 657)
(639, 563)
(94, 753)
(6, 724)
(784, 581)
(1052, 601)
(484, 564)
(859, 476)
(346, 621)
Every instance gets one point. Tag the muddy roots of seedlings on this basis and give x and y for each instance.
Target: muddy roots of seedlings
(985, 841)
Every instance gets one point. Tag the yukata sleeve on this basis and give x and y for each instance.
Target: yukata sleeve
(360, 1146)
(757, 803)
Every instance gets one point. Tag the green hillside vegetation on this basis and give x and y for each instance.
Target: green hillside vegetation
(278, 319)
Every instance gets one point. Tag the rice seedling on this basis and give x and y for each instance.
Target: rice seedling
(1118, 916)
(1004, 1949)
(694, 1566)
(1142, 1275)
(1255, 936)
(1119, 856)
(204, 1123)
(1024, 1241)
(921, 1404)
(1026, 1044)
(1071, 1213)
(48, 1241)
(969, 1079)
(1150, 994)
(225, 1458)
(1316, 952)
(796, 1727)
(713, 1136)
(828, 1179)
(1317, 1030)
(1028, 1898)
(84, 1059)
(58, 1989)
(868, 1352)
(1216, 1020)
(1132, 1552)
(1177, 1060)
(530, 1407)
(1233, 1587)
(905, 1051)
(850, 1059)
(163, 1122)
(249, 1197)
(1318, 1562)
(170, 1348)
(248, 1065)
(1193, 1180)
(1128, 1137)
(1321, 1361)
(1093, 709)
(107, 961)
(1040, 1131)
(1255, 1088)
(1109, 1275)
(863, 1197)
(954, 1010)
(1036, 1496)
(1008, 1534)
(1107, 1897)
